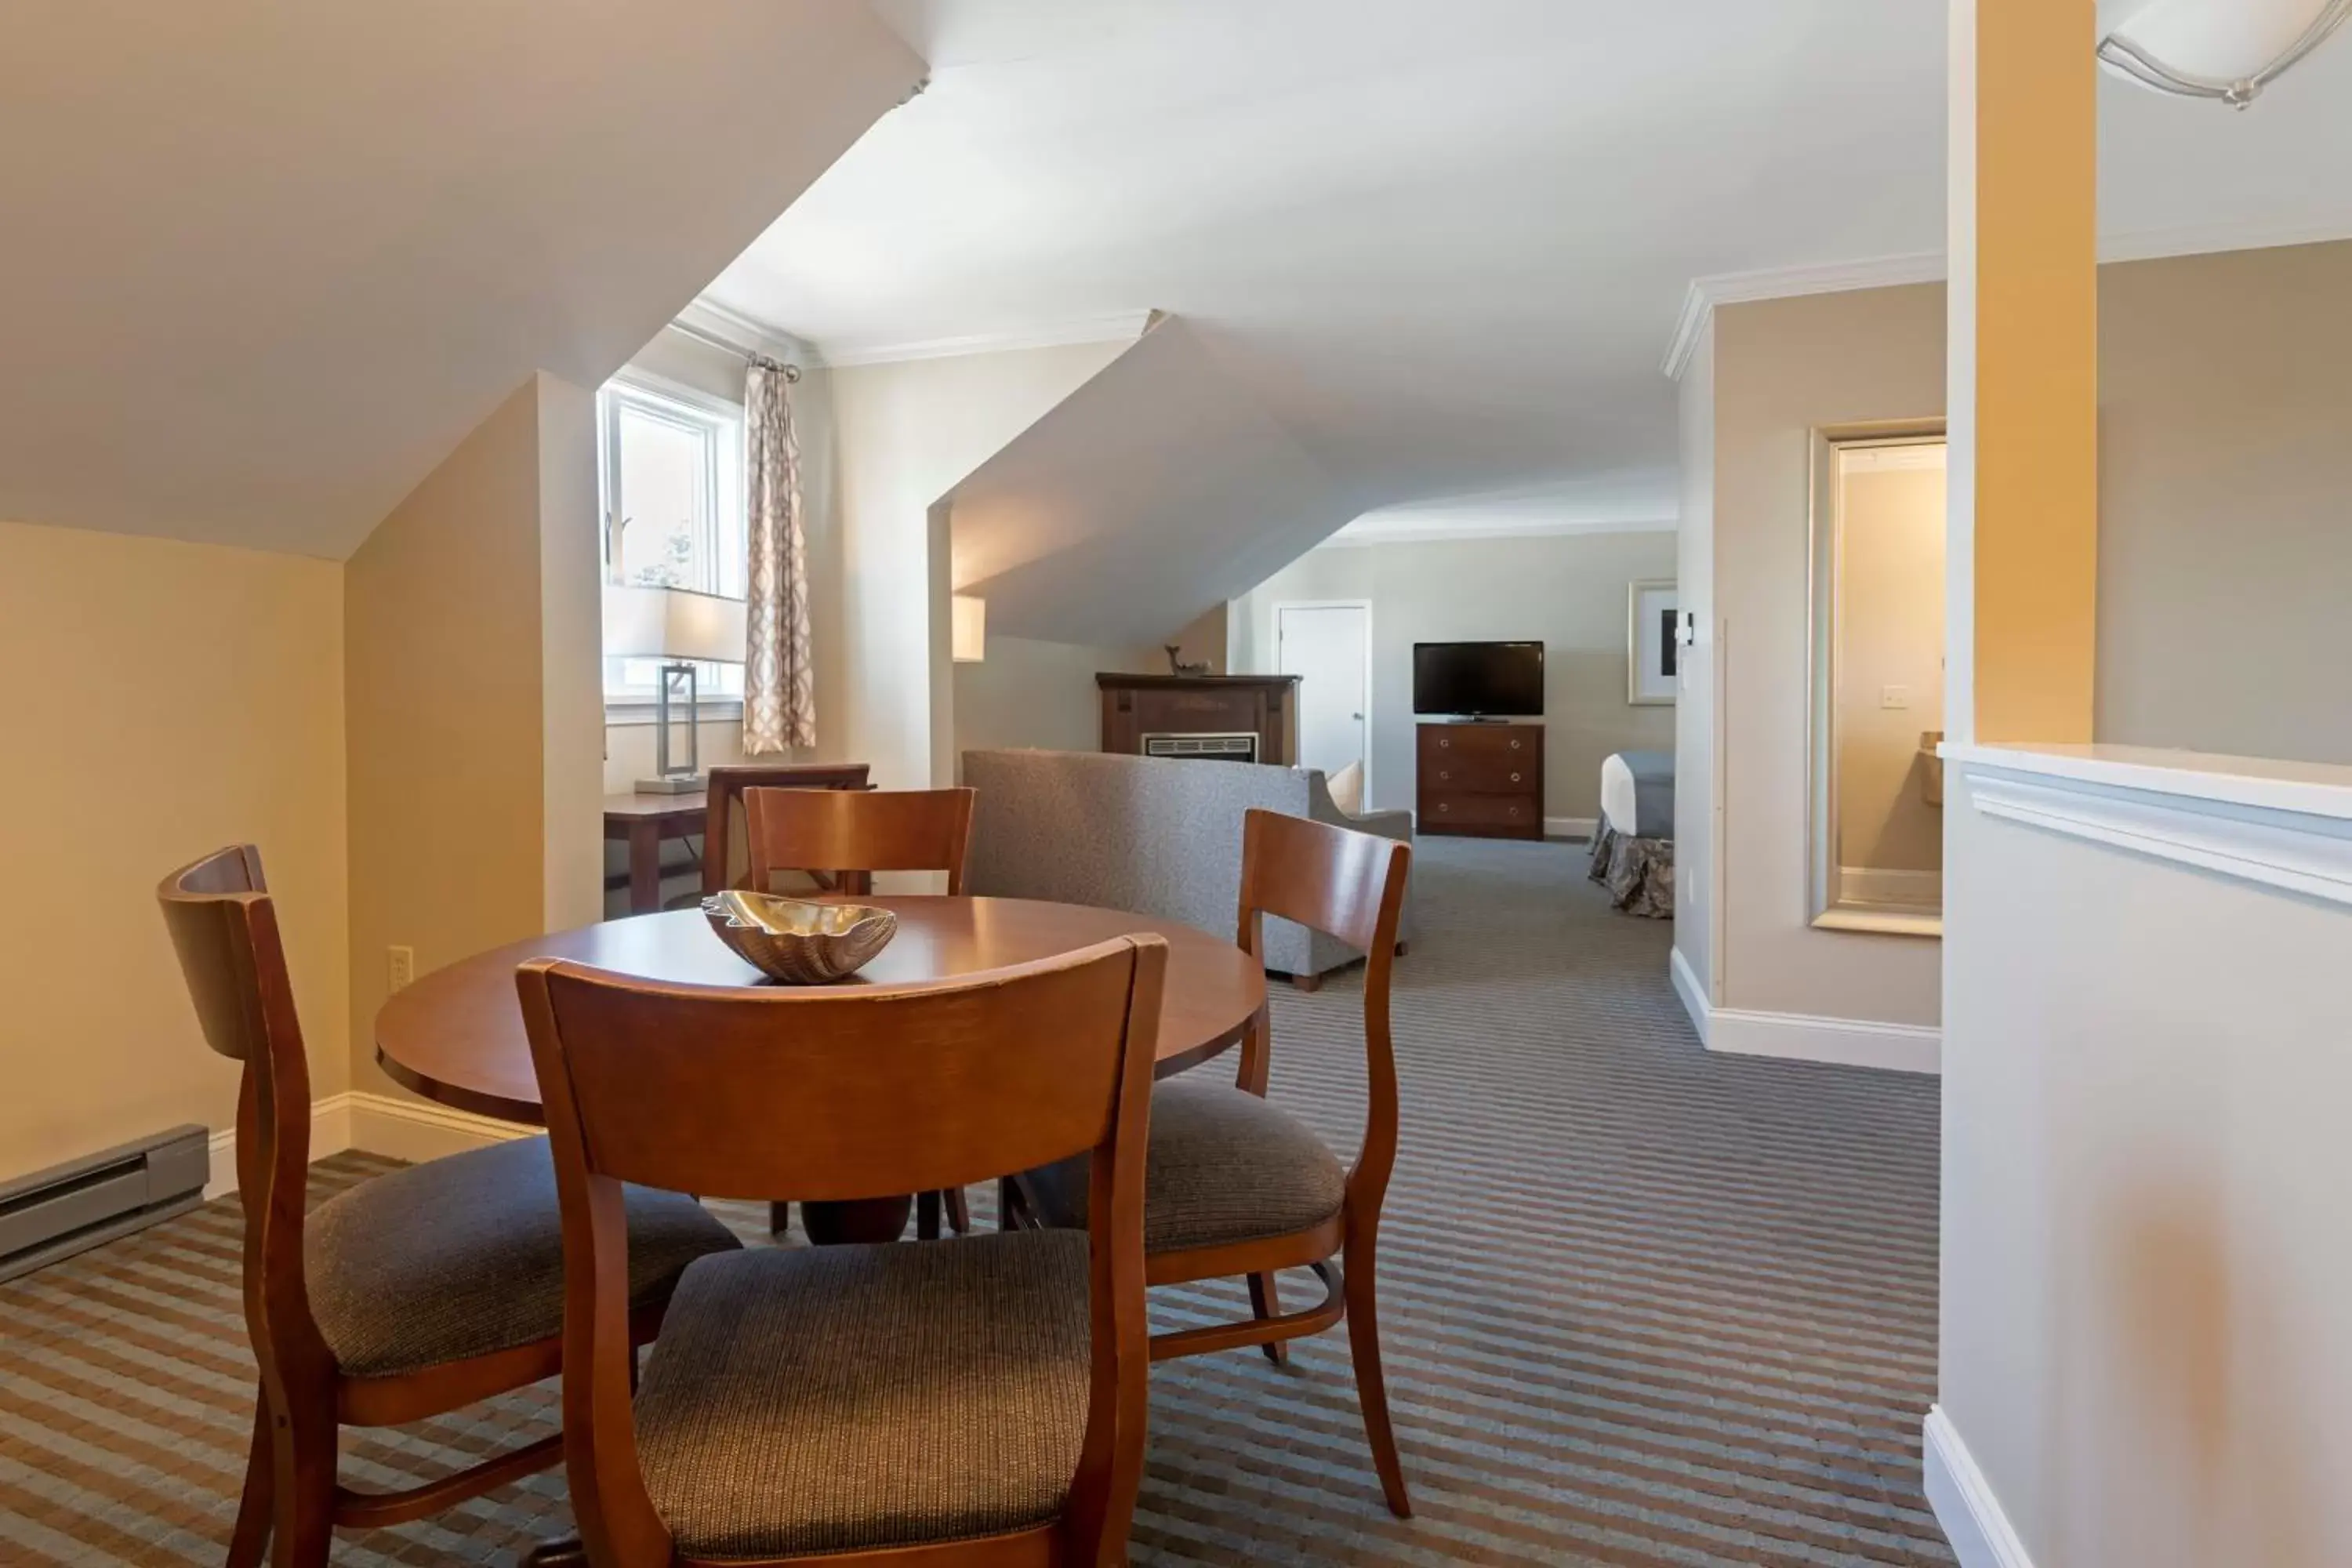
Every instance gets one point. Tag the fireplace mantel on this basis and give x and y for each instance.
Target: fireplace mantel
(1265, 706)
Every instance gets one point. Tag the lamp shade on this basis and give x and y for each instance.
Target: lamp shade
(2229, 49)
(968, 632)
(675, 624)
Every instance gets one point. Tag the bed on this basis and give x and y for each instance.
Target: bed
(1633, 841)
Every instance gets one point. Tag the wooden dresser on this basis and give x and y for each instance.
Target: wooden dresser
(1480, 781)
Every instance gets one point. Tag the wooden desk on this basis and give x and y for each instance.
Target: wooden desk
(645, 822)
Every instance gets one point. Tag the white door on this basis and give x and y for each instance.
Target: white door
(1328, 646)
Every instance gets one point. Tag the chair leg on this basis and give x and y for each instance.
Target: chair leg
(958, 1211)
(251, 1537)
(780, 1219)
(304, 1488)
(1371, 1383)
(927, 1217)
(1266, 1303)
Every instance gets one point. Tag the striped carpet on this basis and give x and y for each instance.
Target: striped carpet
(1643, 1305)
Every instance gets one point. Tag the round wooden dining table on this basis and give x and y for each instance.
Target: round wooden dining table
(457, 1036)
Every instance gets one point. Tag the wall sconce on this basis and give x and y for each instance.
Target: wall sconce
(967, 629)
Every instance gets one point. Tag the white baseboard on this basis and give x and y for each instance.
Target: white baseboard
(330, 1133)
(415, 1129)
(1796, 1036)
(1692, 995)
(1964, 1504)
(1848, 1042)
(1571, 827)
(390, 1125)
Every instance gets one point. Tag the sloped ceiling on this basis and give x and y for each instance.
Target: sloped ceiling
(263, 265)
(1445, 245)
(1158, 489)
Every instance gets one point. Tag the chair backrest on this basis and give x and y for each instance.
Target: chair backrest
(858, 834)
(837, 1094)
(224, 926)
(725, 863)
(1348, 885)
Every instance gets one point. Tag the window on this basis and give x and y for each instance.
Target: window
(672, 493)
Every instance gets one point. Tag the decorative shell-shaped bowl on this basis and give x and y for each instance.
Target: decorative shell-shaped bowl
(796, 941)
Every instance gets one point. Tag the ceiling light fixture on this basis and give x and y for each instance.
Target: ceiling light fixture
(2223, 49)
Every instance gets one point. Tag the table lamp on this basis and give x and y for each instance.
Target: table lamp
(682, 628)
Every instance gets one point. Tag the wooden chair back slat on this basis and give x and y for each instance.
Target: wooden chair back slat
(1348, 885)
(224, 925)
(859, 833)
(883, 1091)
(726, 862)
(837, 1094)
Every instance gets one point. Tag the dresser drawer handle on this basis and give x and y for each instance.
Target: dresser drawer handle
(1443, 775)
(1514, 745)
(1444, 744)
(1443, 807)
(1514, 811)
(1515, 778)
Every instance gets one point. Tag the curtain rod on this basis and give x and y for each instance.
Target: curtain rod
(791, 372)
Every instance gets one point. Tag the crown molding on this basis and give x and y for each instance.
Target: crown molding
(1699, 301)
(1705, 294)
(707, 317)
(2209, 239)
(1352, 537)
(1125, 327)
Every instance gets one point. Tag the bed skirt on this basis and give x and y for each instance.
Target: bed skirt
(1638, 872)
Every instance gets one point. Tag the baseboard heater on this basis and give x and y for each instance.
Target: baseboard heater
(69, 1208)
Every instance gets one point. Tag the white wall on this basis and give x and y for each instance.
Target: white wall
(1568, 591)
(1040, 694)
(2146, 1261)
(1698, 898)
(903, 434)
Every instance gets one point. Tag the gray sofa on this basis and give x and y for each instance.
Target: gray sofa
(1157, 835)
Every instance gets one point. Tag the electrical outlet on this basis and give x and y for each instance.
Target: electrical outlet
(1895, 697)
(401, 968)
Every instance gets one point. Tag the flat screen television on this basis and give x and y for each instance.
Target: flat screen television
(1477, 679)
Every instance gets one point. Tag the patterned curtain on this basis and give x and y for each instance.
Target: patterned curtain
(779, 686)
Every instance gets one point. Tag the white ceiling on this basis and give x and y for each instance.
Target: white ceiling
(1445, 246)
(263, 265)
(1157, 489)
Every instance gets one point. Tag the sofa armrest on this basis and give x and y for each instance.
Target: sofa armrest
(1397, 825)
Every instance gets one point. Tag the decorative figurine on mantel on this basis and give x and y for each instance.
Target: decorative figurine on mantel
(1176, 665)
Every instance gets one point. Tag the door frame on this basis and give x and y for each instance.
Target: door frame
(1365, 605)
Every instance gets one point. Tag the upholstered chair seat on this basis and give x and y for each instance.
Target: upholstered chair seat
(463, 1257)
(1224, 1165)
(845, 1398)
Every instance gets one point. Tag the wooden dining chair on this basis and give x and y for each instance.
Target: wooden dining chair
(843, 837)
(801, 1401)
(856, 834)
(724, 835)
(416, 1293)
(1235, 1185)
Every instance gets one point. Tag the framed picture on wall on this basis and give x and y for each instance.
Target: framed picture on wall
(1651, 650)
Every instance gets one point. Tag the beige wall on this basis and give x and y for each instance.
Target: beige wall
(2225, 535)
(168, 699)
(1890, 632)
(1568, 591)
(470, 659)
(1782, 368)
(902, 435)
